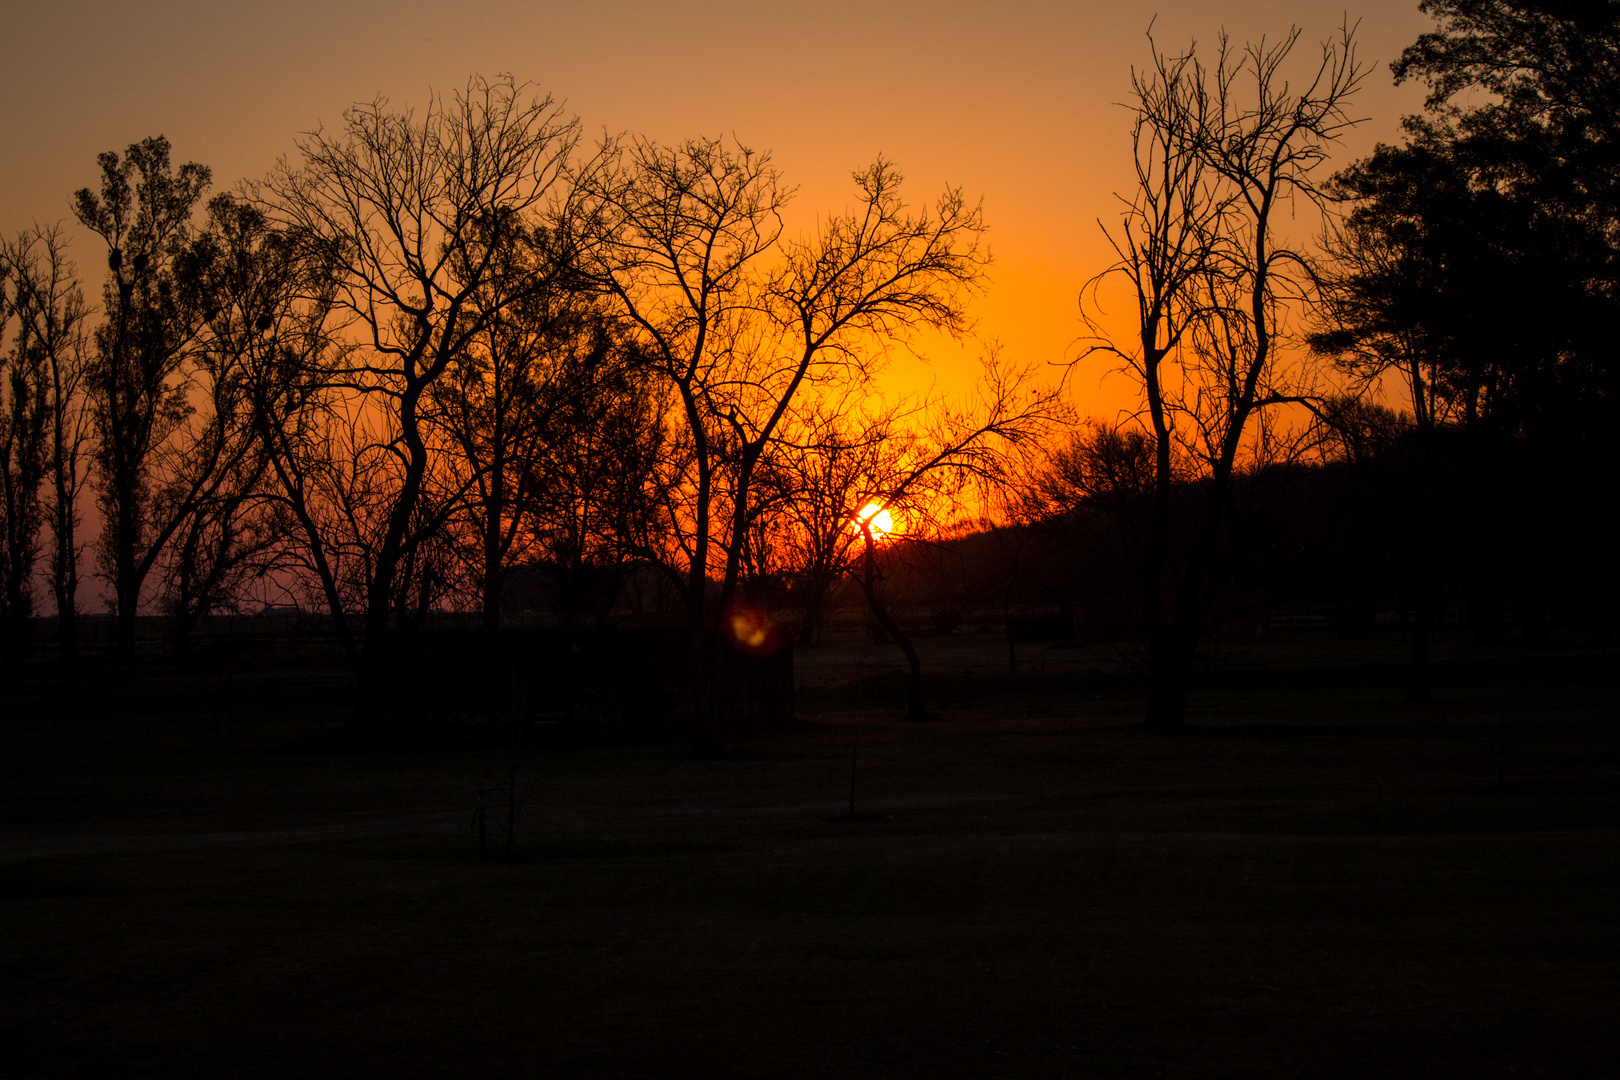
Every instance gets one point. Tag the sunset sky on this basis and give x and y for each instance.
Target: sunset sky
(1018, 104)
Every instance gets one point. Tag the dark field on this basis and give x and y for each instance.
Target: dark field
(1319, 880)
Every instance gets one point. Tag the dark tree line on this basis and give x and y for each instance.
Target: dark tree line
(1222, 151)
(1473, 266)
(1479, 262)
(432, 348)
(44, 430)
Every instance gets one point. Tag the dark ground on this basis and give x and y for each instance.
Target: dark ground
(1319, 880)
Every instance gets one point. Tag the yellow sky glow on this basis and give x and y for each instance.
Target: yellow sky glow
(1016, 103)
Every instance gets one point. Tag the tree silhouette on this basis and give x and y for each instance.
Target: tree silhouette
(738, 320)
(154, 454)
(1478, 259)
(409, 216)
(523, 412)
(835, 473)
(597, 495)
(51, 320)
(24, 428)
(1552, 70)
(826, 466)
(1220, 152)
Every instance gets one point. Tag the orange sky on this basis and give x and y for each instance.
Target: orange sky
(1017, 103)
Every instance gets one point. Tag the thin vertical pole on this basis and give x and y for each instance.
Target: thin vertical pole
(855, 745)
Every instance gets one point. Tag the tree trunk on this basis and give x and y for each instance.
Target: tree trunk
(1424, 586)
(64, 557)
(16, 640)
(1170, 661)
(128, 594)
(366, 680)
(16, 603)
(67, 629)
(1417, 679)
(810, 627)
(1007, 621)
(65, 583)
(914, 698)
(492, 591)
(494, 574)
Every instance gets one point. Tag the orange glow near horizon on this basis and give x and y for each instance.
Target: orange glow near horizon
(1020, 108)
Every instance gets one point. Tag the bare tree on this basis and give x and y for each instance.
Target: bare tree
(408, 214)
(674, 236)
(738, 320)
(920, 463)
(51, 315)
(138, 383)
(535, 412)
(24, 416)
(243, 273)
(171, 426)
(1220, 153)
(820, 477)
(976, 451)
(597, 496)
(491, 407)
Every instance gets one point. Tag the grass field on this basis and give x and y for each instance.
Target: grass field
(1318, 880)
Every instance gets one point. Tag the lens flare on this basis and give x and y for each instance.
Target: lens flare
(751, 630)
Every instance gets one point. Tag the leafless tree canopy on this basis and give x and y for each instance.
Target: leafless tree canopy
(1222, 153)
(413, 219)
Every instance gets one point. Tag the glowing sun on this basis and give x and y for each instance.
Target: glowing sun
(881, 520)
